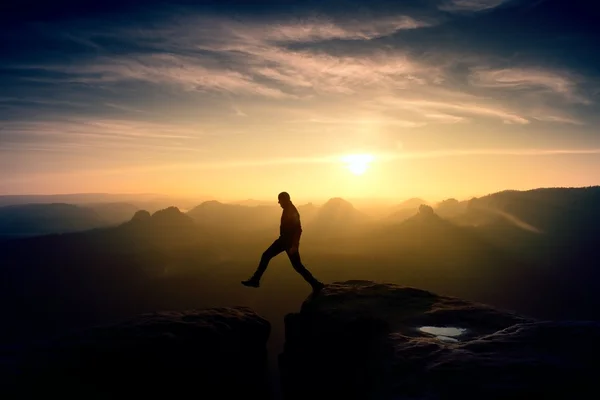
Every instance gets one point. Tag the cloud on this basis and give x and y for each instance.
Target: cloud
(528, 78)
(260, 51)
(444, 118)
(250, 57)
(441, 110)
(558, 119)
(183, 71)
(362, 121)
(77, 134)
(238, 112)
(471, 5)
(326, 73)
(289, 74)
(125, 108)
(303, 59)
(324, 29)
(488, 152)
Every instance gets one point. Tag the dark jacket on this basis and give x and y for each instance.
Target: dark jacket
(290, 227)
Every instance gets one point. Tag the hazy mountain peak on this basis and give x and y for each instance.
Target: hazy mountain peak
(141, 215)
(169, 211)
(211, 203)
(39, 219)
(424, 209)
(413, 202)
(171, 216)
(337, 202)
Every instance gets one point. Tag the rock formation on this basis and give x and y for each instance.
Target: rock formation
(354, 340)
(424, 209)
(141, 216)
(212, 353)
(365, 340)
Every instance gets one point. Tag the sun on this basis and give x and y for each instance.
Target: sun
(358, 164)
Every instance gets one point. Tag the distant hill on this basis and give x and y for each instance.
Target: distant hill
(157, 259)
(451, 207)
(235, 216)
(41, 219)
(148, 201)
(424, 229)
(113, 213)
(166, 227)
(544, 210)
(405, 210)
(24, 220)
(412, 203)
(336, 217)
(307, 212)
(73, 198)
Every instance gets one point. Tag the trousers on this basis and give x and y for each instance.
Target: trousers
(280, 245)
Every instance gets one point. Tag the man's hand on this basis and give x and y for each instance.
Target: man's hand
(295, 243)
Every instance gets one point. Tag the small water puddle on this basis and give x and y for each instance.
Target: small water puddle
(444, 333)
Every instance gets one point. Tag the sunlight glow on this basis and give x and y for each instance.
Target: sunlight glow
(358, 163)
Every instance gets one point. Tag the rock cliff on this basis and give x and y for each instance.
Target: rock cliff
(366, 340)
(211, 353)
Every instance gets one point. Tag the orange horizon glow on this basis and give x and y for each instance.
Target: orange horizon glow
(201, 104)
(396, 175)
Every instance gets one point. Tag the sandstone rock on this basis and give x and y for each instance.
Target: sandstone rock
(366, 340)
(199, 353)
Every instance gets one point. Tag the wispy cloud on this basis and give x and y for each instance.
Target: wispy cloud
(238, 112)
(325, 29)
(488, 152)
(277, 59)
(125, 108)
(77, 135)
(184, 71)
(470, 5)
(528, 78)
(325, 73)
(442, 110)
(246, 57)
(443, 118)
(356, 122)
(558, 119)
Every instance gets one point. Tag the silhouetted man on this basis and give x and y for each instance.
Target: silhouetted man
(288, 241)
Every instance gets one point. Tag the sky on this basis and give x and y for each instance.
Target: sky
(346, 98)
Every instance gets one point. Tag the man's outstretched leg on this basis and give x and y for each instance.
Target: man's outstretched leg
(301, 269)
(268, 254)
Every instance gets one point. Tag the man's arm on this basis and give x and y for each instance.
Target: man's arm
(295, 241)
(294, 230)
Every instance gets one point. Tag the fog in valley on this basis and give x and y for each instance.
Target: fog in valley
(531, 252)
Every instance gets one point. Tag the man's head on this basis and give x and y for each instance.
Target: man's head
(284, 199)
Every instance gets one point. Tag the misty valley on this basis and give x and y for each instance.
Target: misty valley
(533, 253)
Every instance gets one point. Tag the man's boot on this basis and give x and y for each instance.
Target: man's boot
(252, 282)
(317, 286)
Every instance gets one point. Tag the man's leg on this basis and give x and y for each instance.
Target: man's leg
(275, 248)
(301, 269)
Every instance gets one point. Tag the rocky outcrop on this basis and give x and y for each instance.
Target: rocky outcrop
(366, 340)
(424, 209)
(171, 217)
(336, 213)
(166, 228)
(141, 216)
(212, 353)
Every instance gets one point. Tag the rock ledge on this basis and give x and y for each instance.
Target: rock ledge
(367, 340)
